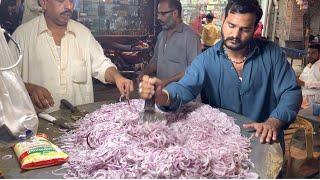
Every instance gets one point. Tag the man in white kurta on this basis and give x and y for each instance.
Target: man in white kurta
(310, 78)
(59, 58)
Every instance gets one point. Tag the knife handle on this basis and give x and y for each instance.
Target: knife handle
(68, 105)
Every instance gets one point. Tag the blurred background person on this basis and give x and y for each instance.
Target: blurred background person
(9, 15)
(196, 24)
(32, 9)
(309, 79)
(210, 32)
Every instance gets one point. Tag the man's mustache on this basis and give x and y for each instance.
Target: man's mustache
(233, 39)
(67, 12)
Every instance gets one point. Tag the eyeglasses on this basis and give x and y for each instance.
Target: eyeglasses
(164, 13)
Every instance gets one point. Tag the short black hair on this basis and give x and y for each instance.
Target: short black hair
(174, 4)
(244, 6)
(209, 16)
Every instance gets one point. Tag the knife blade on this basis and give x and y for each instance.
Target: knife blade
(58, 122)
(76, 113)
(149, 105)
(62, 124)
(149, 114)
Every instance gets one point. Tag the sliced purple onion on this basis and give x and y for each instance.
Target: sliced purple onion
(197, 142)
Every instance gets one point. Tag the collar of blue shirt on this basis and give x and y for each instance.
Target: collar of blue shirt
(254, 45)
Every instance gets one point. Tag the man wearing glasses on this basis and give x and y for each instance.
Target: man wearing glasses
(177, 45)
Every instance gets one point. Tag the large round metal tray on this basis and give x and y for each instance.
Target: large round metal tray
(267, 158)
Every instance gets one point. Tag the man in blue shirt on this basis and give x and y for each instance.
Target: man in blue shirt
(247, 76)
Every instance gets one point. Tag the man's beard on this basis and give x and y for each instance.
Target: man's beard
(164, 26)
(168, 25)
(239, 44)
(312, 61)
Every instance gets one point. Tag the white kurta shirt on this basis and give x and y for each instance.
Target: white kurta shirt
(311, 90)
(67, 75)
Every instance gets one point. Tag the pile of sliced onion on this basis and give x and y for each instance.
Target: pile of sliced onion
(197, 142)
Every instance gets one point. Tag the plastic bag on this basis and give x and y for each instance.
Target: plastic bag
(18, 119)
(39, 152)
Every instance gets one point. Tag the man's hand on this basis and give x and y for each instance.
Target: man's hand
(40, 96)
(268, 131)
(150, 87)
(124, 85)
(300, 82)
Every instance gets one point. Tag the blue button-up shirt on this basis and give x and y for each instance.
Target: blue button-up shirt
(268, 87)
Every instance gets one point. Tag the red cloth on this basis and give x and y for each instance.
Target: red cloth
(258, 32)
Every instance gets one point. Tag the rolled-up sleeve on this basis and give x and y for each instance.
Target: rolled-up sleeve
(100, 63)
(287, 92)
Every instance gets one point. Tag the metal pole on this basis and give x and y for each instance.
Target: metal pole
(276, 8)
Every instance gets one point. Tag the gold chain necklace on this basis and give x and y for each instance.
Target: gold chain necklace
(236, 62)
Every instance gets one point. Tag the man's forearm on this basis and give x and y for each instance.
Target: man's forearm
(111, 74)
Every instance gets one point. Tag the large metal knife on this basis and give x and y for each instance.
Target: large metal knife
(149, 114)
